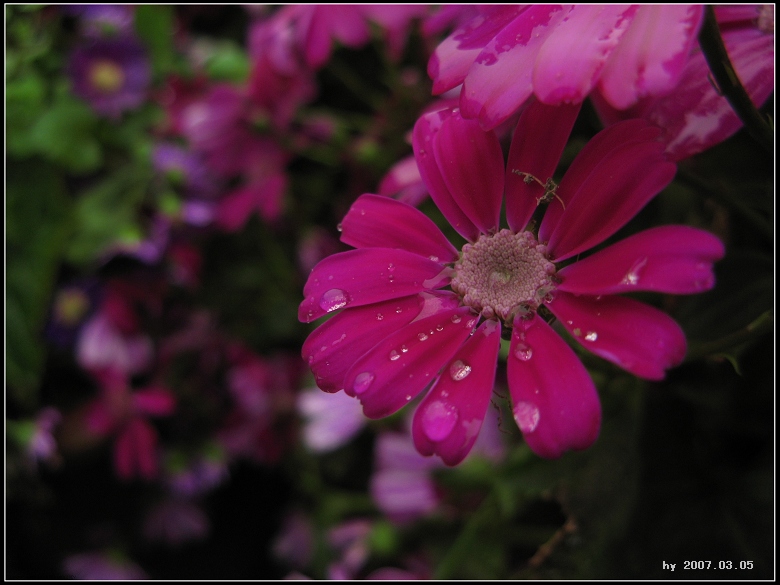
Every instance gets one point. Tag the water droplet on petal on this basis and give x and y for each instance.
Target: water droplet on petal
(459, 370)
(340, 227)
(440, 328)
(433, 258)
(334, 299)
(439, 419)
(408, 396)
(404, 349)
(523, 352)
(422, 336)
(398, 310)
(390, 267)
(394, 355)
(362, 382)
(379, 316)
(633, 274)
(591, 336)
(526, 416)
(455, 319)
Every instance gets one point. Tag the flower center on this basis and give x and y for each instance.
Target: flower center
(106, 76)
(499, 274)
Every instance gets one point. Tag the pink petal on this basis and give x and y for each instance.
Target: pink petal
(335, 345)
(425, 130)
(670, 259)
(396, 451)
(135, 450)
(472, 167)
(587, 159)
(154, 401)
(554, 400)
(570, 61)
(630, 334)
(554, 123)
(377, 221)
(451, 61)
(403, 181)
(403, 496)
(400, 366)
(652, 53)
(365, 276)
(617, 188)
(448, 420)
(500, 80)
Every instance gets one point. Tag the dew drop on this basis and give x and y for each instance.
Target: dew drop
(439, 419)
(340, 228)
(523, 352)
(404, 349)
(390, 267)
(633, 274)
(394, 355)
(379, 316)
(398, 310)
(433, 258)
(362, 382)
(333, 299)
(591, 336)
(459, 370)
(526, 416)
(422, 336)
(440, 328)
(408, 397)
(456, 319)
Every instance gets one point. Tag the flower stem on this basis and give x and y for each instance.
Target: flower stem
(764, 323)
(728, 81)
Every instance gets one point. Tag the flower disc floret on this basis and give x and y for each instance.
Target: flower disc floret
(500, 273)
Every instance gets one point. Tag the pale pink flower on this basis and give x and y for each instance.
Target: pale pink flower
(560, 53)
(401, 331)
(695, 116)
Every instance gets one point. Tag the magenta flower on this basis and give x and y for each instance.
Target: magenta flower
(694, 116)
(402, 331)
(561, 53)
(112, 75)
(102, 566)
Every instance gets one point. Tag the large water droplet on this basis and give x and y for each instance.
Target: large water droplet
(591, 336)
(439, 419)
(523, 352)
(459, 370)
(394, 355)
(526, 416)
(334, 299)
(362, 382)
(422, 336)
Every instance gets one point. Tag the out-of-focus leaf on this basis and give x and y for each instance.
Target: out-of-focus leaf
(155, 25)
(24, 103)
(37, 227)
(227, 62)
(65, 135)
(106, 214)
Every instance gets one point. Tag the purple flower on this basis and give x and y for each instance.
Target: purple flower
(176, 521)
(112, 75)
(401, 331)
(561, 53)
(72, 306)
(100, 566)
(103, 20)
(694, 116)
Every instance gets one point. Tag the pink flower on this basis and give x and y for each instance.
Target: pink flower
(560, 53)
(121, 412)
(401, 330)
(694, 116)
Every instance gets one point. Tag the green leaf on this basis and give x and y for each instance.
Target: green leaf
(65, 135)
(37, 227)
(24, 102)
(227, 62)
(107, 213)
(155, 26)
